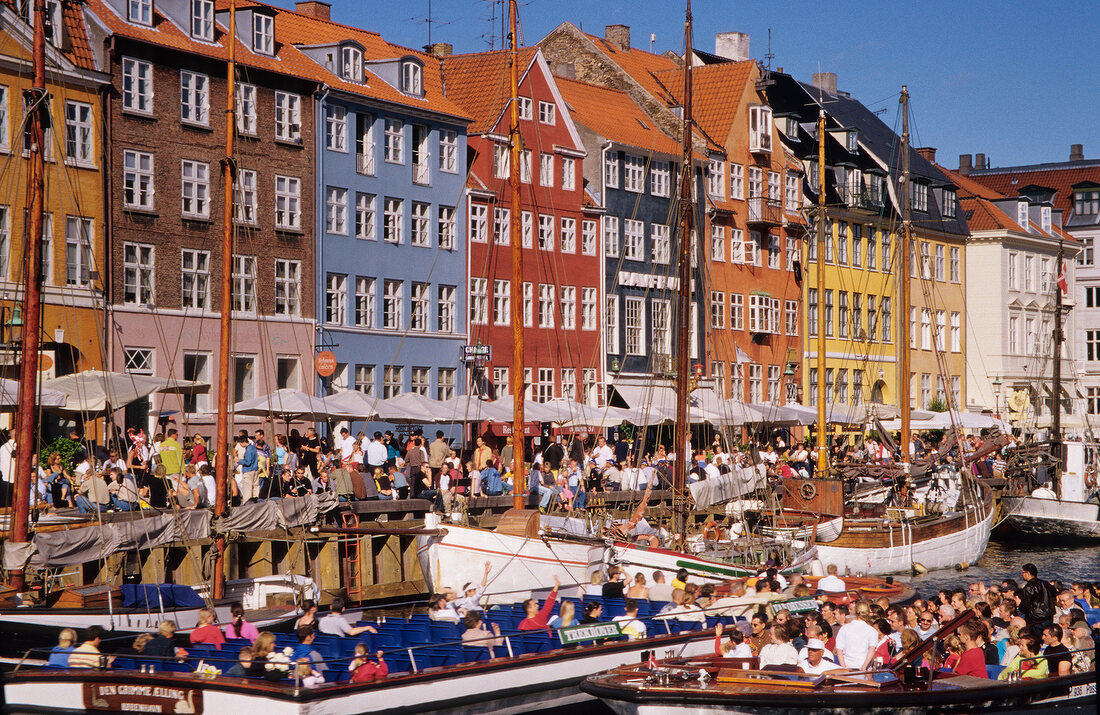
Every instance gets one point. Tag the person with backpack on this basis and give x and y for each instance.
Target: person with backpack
(1037, 597)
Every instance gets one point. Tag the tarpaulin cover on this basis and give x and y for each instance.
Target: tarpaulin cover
(276, 513)
(154, 595)
(736, 483)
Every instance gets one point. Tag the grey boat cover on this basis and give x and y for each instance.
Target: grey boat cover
(149, 529)
(738, 482)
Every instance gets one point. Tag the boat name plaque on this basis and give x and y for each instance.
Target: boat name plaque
(596, 631)
(798, 605)
(130, 697)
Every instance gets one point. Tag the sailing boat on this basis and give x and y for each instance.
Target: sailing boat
(1070, 509)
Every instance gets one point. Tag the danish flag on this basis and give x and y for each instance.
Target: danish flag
(1063, 284)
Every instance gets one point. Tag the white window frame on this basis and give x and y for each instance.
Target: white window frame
(393, 304)
(366, 217)
(547, 113)
(412, 78)
(79, 134)
(661, 243)
(394, 142)
(611, 170)
(633, 240)
(588, 237)
(194, 189)
(546, 170)
(737, 182)
(611, 324)
(611, 238)
(568, 234)
(633, 174)
(365, 296)
(590, 304)
(760, 128)
(138, 180)
(546, 232)
(288, 117)
(421, 224)
(137, 86)
(568, 173)
(634, 319)
(263, 33)
(524, 107)
(479, 223)
(568, 307)
(502, 302)
(420, 306)
(79, 259)
(659, 178)
(202, 20)
(546, 305)
(448, 151)
(194, 98)
(446, 227)
(288, 203)
(393, 220)
(138, 273)
(288, 287)
(336, 128)
(479, 301)
(140, 12)
(247, 109)
(336, 299)
(244, 284)
(446, 308)
(245, 198)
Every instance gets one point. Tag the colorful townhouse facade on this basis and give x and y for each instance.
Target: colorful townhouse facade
(75, 238)
(561, 253)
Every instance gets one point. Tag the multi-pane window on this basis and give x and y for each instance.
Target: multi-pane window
(828, 313)
(244, 284)
(421, 305)
(872, 319)
(527, 229)
(502, 225)
(737, 181)
(528, 304)
(502, 302)
(195, 189)
(717, 242)
(546, 305)
(421, 224)
(939, 264)
(202, 20)
(140, 11)
(525, 166)
(790, 312)
(393, 220)
(887, 331)
(756, 376)
(633, 174)
(842, 314)
(633, 240)
(857, 316)
(445, 307)
(717, 310)
(611, 324)
(137, 179)
(137, 85)
(364, 301)
(792, 252)
(288, 202)
(941, 330)
(194, 278)
(445, 389)
(412, 78)
(634, 325)
(479, 218)
(756, 182)
(546, 232)
(660, 236)
(501, 161)
(288, 286)
(336, 128)
(715, 174)
(247, 111)
(773, 187)
(659, 178)
(78, 133)
(872, 250)
(364, 379)
(445, 226)
(568, 174)
(392, 381)
(611, 236)
(1029, 273)
(857, 245)
(500, 382)
(5, 244)
(760, 128)
(955, 262)
(842, 386)
(336, 299)
(841, 245)
(920, 196)
(737, 245)
(773, 383)
(611, 170)
(588, 237)
(448, 151)
(793, 191)
(547, 112)
(737, 311)
(569, 383)
(263, 33)
(194, 98)
(393, 300)
(245, 199)
(569, 307)
(365, 217)
(137, 273)
(568, 235)
(138, 360)
(887, 255)
(523, 104)
(4, 141)
(394, 142)
(775, 253)
(544, 388)
(589, 395)
(546, 170)
(351, 63)
(479, 301)
(288, 116)
(589, 306)
(956, 332)
(78, 250)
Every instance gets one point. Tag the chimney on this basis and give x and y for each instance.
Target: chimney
(1076, 152)
(979, 161)
(928, 152)
(732, 45)
(617, 36)
(565, 69)
(965, 163)
(314, 8)
(825, 81)
(440, 49)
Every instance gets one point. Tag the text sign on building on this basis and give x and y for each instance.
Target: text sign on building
(798, 605)
(326, 363)
(595, 631)
(648, 280)
(128, 697)
(477, 353)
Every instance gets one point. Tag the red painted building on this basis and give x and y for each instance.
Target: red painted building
(562, 260)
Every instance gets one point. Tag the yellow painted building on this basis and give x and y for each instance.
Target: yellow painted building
(74, 253)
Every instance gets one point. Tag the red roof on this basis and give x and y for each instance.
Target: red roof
(983, 214)
(1060, 178)
(639, 64)
(481, 83)
(717, 92)
(612, 114)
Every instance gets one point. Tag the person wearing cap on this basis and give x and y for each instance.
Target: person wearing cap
(815, 661)
(471, 599)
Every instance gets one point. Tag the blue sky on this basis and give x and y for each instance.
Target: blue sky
(1018, 81)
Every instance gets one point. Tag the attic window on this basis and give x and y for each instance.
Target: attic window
(263, 34)
(1021, 214)
(851, 141)
(141, 11)
(202, 20)
(790, 126)
(412, 78)
(351, 64)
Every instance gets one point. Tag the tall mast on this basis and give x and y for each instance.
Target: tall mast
(819, 268)
(904, 325)
(517, 273)
(1056, 407)
(229, 171)
(683, 305)
(32, 303)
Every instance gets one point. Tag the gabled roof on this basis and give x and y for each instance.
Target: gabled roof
(639, 64)
(1060, 177)
(480, 82)
(985, 214)
(612, 114)
(293, 29)
(78, 51)
(717, 91)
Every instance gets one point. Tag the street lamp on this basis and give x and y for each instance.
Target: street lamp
(997, 396)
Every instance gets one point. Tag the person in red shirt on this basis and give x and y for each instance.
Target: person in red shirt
(972, 659)
(207, 631)
(538, 618)
(363, 669)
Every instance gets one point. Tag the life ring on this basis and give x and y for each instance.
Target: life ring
(649, 539)
(711, 532)
(808, 490)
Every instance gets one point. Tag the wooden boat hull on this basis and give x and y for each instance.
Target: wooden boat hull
(514, 685)
(873, 548)
(1053, 518)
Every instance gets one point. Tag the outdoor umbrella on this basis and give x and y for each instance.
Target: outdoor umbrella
(9, 396)
(293, 405)
(95, 391)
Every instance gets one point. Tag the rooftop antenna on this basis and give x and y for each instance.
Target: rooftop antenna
(429, 21)
(770, 55)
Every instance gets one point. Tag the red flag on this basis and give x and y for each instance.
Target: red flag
(1063, 284)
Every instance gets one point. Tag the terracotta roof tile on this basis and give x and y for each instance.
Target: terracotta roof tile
(80, 53)
(983, 214)
(480, 83)
(612, 114)
(639, 64)
(1010, 180)
(717, 92)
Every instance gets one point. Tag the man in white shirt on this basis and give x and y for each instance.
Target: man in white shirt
(814, 660)
(347, 445)
(832, 583)
(632, 628)
(603, 453)
(376, 453)
(857, 640)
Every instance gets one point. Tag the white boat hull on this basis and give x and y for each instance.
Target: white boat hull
(1053, 517)
(826, 531)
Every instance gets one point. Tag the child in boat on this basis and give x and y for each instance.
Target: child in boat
(363, 669)
(309, 677)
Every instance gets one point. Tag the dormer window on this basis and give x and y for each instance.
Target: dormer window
(412, 75)
(1086, 203)
(950, 203)
(760, 128)
(1045, 218)
(263, 34)
(202, 20)
(851, 141)
(141, 11)
(1021, 214)
(790, 126)
(351, 64)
